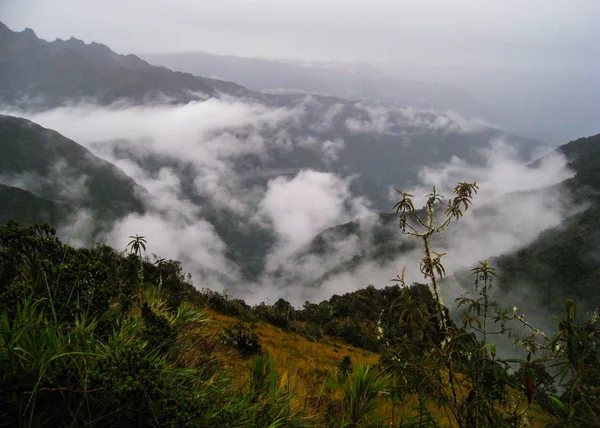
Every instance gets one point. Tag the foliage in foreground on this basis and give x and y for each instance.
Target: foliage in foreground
(82, 343)
(462, 374)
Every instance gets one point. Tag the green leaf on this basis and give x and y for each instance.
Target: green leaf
(558, 403)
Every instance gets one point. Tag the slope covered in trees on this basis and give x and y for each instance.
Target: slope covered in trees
(98, 337)
(564, 261)
(59, 170)
(561, 262)
(29, 208)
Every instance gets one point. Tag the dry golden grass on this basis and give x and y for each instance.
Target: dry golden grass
(296, 357)
(308, 368)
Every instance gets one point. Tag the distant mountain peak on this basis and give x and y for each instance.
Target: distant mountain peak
(75, 42)
(26, 33)
(29, 33)
(40, 74)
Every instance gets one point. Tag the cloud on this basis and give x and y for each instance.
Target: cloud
(195, 243)
(514, 204)
(500, 174)
(210, 135)
(189, 130)
(214, 158)
(303, 206)
(395, 120)
(239, 161)
(69, 184)
(329, 149)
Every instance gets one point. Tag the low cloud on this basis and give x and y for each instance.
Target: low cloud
(227, 158)
(299, 208)
(395, 120)
(195, 243)
(210, 157)
(60, 179)
(514, 204)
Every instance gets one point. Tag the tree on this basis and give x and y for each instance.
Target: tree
(423, 227)
(136, 246)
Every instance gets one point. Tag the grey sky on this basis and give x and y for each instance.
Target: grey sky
(524, 33)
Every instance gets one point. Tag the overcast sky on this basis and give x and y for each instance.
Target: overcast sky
(523, 33)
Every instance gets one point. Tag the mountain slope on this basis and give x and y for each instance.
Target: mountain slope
(37, 73)
(58, 169)
(564, 261)
(349, 81)
(26, 208)
(374, 146)
(561, 262)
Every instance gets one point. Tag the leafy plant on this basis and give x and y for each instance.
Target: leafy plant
(243, 339)
(361, 391)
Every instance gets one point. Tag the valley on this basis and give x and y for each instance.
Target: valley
(163, 231)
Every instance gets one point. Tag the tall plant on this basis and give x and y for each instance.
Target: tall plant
(423, 226)
(136, 246)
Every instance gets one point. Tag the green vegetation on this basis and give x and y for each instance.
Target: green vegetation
(105, 338)
(82, 342)
(98, 337)
(59, 170)
(563, 261)
(28, 208)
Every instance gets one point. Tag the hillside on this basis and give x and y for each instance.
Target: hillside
(368, 147)
(564, 260)
(364, 233)
(28, 208)
(136, 342)
(59, 170)
(583, 157)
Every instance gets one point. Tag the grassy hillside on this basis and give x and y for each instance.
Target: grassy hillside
(104, 338)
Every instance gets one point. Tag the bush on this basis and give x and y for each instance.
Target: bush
(243, 339)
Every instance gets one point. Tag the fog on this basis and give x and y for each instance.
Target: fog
(540, 33)
(530, 67)
(514, 204)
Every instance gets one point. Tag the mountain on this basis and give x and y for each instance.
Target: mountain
(348, 81)
(39, 74)
(27, 208)
(374, 146)
(100, 337)
(152, 349)
(564, 261)
(57, 169)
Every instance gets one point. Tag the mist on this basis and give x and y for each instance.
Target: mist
(427, 32)
(529, 67)
(514, 204)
